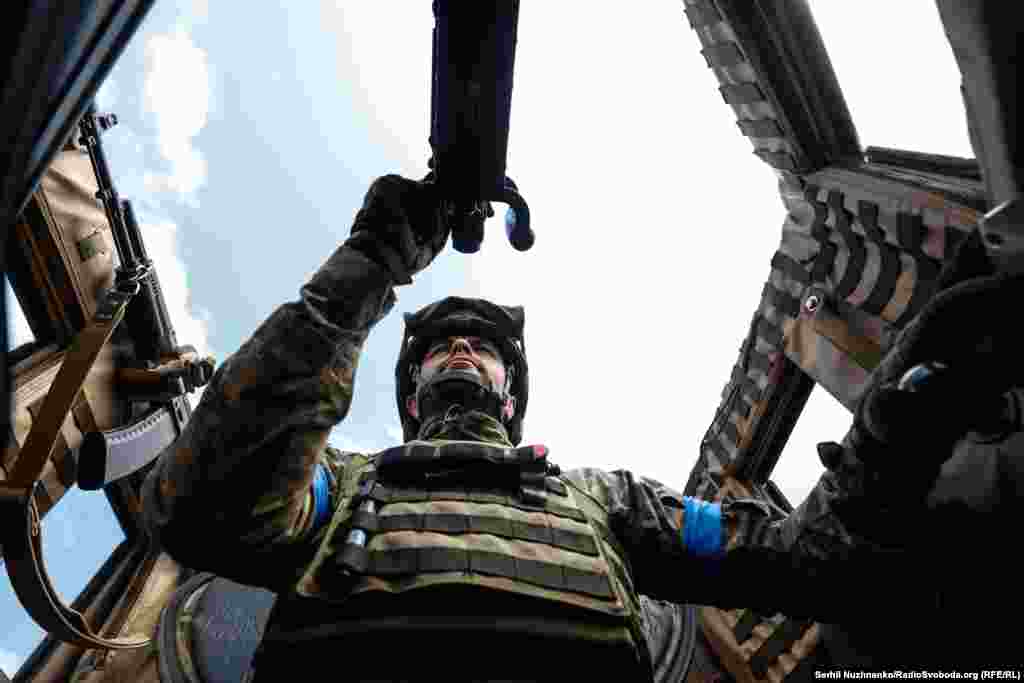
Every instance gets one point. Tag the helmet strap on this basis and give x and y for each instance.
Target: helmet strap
(436, 397)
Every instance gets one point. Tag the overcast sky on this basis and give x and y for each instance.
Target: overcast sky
(247, 143)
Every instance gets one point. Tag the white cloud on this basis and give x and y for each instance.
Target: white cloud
(177, 93)
(10, 661)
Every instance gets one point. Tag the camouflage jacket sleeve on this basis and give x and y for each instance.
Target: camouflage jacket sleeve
(233, 495)
(805, 565)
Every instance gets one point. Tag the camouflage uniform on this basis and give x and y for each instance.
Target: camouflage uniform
(233, 495)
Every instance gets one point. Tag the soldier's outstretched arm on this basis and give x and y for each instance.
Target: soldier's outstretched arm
(739, 554)
(242, 488)
(865, 536)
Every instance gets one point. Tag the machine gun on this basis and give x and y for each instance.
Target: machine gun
(470, 105)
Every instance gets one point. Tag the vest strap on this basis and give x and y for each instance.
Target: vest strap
(431, 560)
(537, 503)
(20, 528)
(453, 523)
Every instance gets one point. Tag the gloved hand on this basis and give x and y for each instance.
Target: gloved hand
(399, 227)
(971, 328)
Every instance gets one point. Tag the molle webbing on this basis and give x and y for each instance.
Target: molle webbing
(433, 533)
(384, 495)
(482, 512)
(469, 508)
(467, 524)
(407, 561)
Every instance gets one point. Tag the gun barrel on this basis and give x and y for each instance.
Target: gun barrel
(147, 315)
(471, 96)
(155, 318)
(107, 193)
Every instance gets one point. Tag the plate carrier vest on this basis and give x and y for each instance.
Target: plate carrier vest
(477, 521)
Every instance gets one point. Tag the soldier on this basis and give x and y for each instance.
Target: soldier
(462, 555)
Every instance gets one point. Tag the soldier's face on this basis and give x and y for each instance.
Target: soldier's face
(470, 354)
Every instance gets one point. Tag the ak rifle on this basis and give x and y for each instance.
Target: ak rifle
(157, 388)
(164, 372)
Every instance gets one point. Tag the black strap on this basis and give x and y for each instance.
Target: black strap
(867, 212)
(768, 330)
(730, 431)
(888, 276)
(384, 495)
(428, 457)
(745, 626)
(911, 234)
(723, 55)
(760, 361)
(748, 386)
(702, 13)
(716, 447)
(741, 93)
(760, 128)
(855, 248)
(819, 231)
(790, 267)
(781, 639)
(405, 561)
(783, 302)
(496, 526)
(741, 407)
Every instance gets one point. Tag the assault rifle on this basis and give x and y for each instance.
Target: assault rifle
(470, 106)
(166, 371)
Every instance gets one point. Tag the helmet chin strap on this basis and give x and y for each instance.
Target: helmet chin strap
(456, 387)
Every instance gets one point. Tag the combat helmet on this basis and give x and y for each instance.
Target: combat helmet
(454, 316)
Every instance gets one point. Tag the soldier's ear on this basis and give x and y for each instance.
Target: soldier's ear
(412, 407)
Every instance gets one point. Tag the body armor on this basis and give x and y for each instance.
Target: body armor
(454, 541)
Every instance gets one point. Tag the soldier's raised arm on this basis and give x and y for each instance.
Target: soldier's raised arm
(250, 472)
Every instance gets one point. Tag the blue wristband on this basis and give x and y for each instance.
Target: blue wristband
(702, 528)
(321, 497)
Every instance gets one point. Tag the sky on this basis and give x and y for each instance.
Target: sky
(246, 142)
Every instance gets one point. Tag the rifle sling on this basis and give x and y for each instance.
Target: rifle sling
(22, 541)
